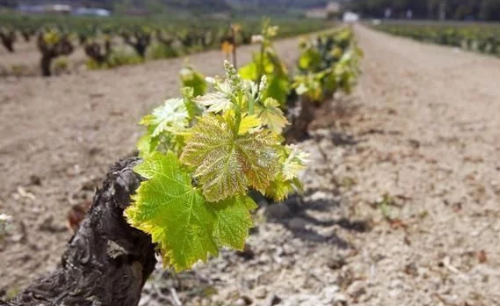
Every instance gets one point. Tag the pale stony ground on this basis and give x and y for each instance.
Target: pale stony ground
(402, 201)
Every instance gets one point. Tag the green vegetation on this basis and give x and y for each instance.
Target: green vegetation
(267, 63)
(201, 156)
(52, 43)
(477, 38)
(175, 7)
(205, 152)
(327, 64)
(117, 41)
(4, 220)
(434, 9)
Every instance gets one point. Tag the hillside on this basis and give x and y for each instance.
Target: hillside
(206, 5)
(289, 4)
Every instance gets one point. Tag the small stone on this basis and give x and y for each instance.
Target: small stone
(247, 253)
(297, 223)
(335, 262)
(145, 300)
(277, 211)
(243, 301)
(394, 293)
(329, 294)
(206, 302)
(356, 289)
(340, 300)
(411, 269)
(35, 180)
(240, 302)
(396, 284)
(272, 300)
(260, 292)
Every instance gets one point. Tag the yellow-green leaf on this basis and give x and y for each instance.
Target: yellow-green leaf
(249, 122)
(271, 115)
(226, 163)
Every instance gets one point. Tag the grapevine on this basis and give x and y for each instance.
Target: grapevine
(478, 38)
(202, 155)
(328, 64)
(267, 62)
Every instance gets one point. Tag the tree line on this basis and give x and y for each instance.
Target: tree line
(487, 10)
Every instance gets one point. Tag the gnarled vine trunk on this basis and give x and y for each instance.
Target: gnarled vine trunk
(45, 64)
(107, 261)
(300, 116)
(8, 39)
(50, 51)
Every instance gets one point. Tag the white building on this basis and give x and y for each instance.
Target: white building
(331, 9)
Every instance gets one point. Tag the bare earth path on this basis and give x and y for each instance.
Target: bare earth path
(419, 143)
(434, 118)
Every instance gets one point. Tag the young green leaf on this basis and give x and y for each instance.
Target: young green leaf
(193, 79)
(226, 162)
(280, 188)
(147, 144)
(271, 115)
(248, 123)
(295, 162)
(215, 101)
(173, 115)
(267, 63)
(292, 161)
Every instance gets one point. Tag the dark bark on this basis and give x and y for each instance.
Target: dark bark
(8, 38)
(27, 34)
(51, 51)
(187, 40)
(107, 261)
(45, 64)
(300, 116)
(140, 42)
(82, 38)
(165, 39)
(100, 54)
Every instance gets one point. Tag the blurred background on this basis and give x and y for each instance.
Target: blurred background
(402, 188)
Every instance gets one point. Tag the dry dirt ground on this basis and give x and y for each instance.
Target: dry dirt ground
(402, 192)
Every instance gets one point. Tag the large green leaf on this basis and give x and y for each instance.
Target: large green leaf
(179, 220)
(233, 221)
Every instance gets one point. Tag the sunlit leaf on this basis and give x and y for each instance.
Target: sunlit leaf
(271, 115)
(227, 163)
(215, 101)
(176, 215)
(248, 123)
(172, 116)
(193, 79)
